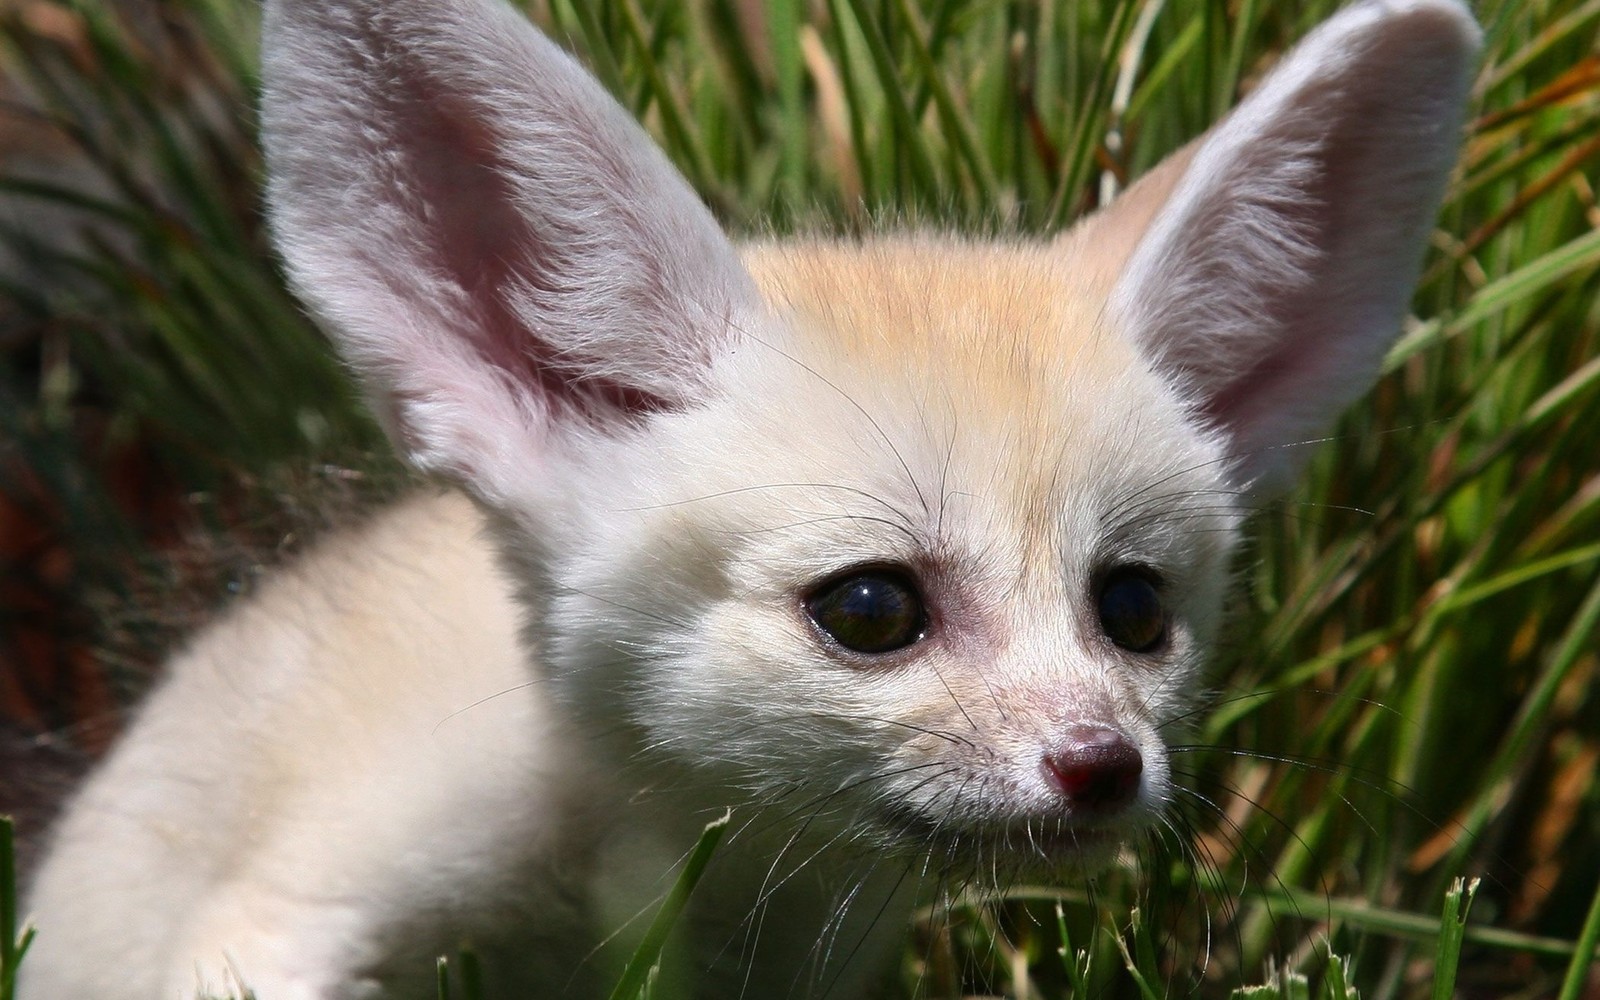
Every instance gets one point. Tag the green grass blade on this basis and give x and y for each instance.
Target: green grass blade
(1336, 981)
(784, 18)
(1576, 981)
(471, 976)
(1452, 931)
(1244, 23)
(1139, 959)
(637, 974)
(1537, 277)
(1388, 921)
(1531, 717)
(602, 54)
(1079, 156)
(954, 119)
(1074, 961)
(674, 117)
(911, 142)
(13, 945)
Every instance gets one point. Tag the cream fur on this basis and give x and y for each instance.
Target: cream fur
(502, 720)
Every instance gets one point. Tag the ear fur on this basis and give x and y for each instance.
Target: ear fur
(1273, 278)
(500, 251)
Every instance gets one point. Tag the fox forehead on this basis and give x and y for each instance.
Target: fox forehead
(1015, 321)
(991, 369)
(1008, 319)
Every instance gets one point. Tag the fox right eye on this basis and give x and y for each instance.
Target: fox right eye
(1131, 611)
(871, 611)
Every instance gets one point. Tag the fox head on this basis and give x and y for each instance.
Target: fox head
(936, 529)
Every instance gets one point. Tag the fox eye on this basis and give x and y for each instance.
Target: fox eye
(875, 611)
(1131, 612)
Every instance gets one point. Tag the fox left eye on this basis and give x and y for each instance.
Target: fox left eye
(876, 611)
(1131, 612)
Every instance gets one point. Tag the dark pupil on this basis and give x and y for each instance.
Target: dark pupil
(870, 613)
(1131, 612)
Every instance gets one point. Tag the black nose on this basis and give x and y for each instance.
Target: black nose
(1095, 767)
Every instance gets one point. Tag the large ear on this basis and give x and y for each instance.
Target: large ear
(1274, 275)
(499, 250)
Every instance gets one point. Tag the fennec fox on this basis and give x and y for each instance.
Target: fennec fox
(907, 549)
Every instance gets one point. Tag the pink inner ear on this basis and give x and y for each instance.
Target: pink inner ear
(497, 247)
(1277, 274)
(475, 235)
(1255, 381)
(1365, 221)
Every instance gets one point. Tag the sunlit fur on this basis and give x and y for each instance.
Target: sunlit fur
(502, 720)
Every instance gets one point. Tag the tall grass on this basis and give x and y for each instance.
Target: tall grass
(1407, 695)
